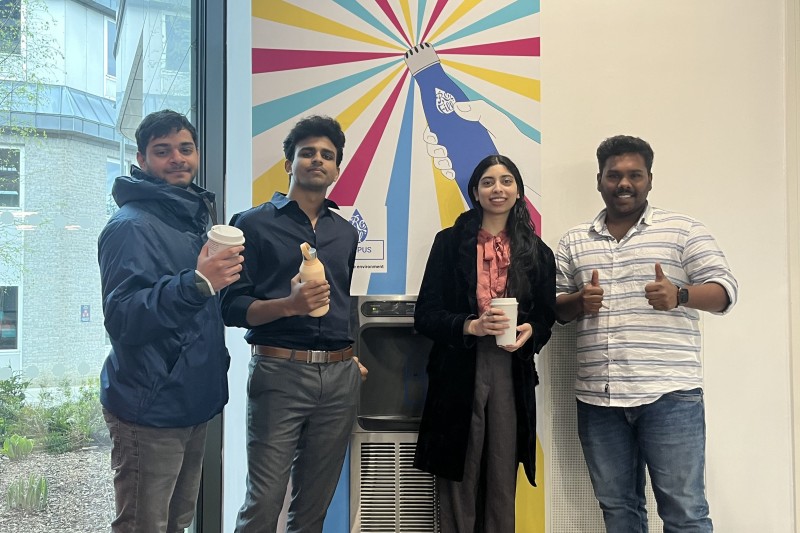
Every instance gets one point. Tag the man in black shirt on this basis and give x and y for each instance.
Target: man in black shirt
(304, 381)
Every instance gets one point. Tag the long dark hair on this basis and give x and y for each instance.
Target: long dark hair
(519, 226)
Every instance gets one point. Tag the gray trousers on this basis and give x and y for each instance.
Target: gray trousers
(299, 420)
(484, 500)
(156, 475)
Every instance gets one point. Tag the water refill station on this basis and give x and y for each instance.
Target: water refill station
(386, 492)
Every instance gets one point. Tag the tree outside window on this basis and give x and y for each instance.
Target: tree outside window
(10, 26)
(178, 40)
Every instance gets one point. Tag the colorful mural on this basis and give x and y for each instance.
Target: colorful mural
(423, 90)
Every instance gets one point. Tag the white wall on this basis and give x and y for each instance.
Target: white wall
(238, 197)
(703, 82)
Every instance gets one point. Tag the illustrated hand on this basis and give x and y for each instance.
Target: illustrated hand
(506, 136)
(509, 141)
(362, 369)
(592, 295)
(525, 331)
(438, 153)
(307, 296)
(493, 322)
(661, 294)
(222, 268)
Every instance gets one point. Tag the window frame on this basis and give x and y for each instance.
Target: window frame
(17, 336)
(108, 55)
(165, 37)
(20, 177)
(17, 50)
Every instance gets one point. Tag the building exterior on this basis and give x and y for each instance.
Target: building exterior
(72, 91)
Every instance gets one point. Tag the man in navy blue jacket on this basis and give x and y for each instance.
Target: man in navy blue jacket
(165, 377)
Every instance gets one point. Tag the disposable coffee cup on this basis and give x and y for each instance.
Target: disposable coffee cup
(509, 307)
(221, 237)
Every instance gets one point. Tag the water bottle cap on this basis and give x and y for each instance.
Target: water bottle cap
(420, 57)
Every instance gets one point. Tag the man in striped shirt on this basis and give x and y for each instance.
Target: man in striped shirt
(635, 278)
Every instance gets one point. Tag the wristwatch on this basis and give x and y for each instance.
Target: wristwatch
(683, 296)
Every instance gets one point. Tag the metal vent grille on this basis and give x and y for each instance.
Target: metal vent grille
(573, 507)
(395, 496)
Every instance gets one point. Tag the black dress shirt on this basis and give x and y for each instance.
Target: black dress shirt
(273, 234)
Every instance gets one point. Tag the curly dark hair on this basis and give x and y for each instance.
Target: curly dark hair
(519, 226)
(160, 124)
(624, 144)
(315, 126)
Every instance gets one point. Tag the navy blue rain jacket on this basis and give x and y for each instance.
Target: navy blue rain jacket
(168, 362)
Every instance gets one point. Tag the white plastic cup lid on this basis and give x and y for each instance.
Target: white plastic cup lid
(227, 235)
(503, 301)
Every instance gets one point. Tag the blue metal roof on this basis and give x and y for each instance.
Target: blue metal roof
(56, 107)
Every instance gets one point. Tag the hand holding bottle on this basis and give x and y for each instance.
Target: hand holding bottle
(305, 297)
(312, 288)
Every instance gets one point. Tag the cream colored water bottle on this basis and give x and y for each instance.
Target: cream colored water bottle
(311, 269)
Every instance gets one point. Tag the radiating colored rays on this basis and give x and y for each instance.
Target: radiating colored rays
(276, 59)
(398, 202)
(285, 13)
(390, 14)
(346, 189)
(504, 15)
(519, 84)
(517, 47)
(369, 56)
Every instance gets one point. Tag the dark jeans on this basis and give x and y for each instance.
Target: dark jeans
(669, 436)
(156, 475)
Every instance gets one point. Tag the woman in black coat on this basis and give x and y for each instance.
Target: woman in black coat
(479, 419)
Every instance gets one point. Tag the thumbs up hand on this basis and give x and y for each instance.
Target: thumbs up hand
(661, 294)
(592, 295)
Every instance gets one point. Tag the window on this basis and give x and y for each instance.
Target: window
(9, 177)
(112, 171)
(111, 37)
(177, 43)
(8, 317)
(10, 26)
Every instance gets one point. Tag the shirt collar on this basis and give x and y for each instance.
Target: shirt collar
(599, 222)
(280, 201)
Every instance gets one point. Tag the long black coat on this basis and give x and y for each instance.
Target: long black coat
(446, 299)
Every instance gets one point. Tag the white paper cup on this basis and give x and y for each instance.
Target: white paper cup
(221, 237)
(509, 307)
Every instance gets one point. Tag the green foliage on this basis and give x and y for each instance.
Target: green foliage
(12, 398)
(70, 418)
(29, 494)
(64, 418)
(17, 446)
(56, 443)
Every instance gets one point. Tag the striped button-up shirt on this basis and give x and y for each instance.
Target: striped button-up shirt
(630, 354)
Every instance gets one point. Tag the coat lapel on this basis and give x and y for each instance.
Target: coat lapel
(468, 225)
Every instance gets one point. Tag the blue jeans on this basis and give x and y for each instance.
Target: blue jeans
(669, 436)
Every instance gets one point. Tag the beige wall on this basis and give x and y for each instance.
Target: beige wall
(793, 202)
(704, 82)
